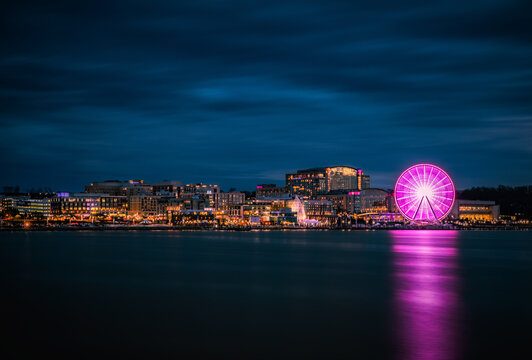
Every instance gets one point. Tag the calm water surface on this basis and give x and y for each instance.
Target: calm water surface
(429, 295)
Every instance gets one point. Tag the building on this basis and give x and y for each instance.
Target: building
(33, 207)
(475, 210)
(88, 204)
(227, 205)
(374, 201)
(207, 192)
(269, 190)
(320, 210)
(312, 182)
(224, 199)
(146, 205)
(344, 201)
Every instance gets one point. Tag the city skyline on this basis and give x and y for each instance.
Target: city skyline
(241, 93)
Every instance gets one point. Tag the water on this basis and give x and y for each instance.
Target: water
(267, 295)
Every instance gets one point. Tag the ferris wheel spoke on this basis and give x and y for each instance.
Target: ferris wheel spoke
(409, 187)
(434, 178)
(418, 177)
(421, 202)
(410, 208)
(409, 202)
(442, 186)
(414, 179)
(407, 197)
(441, 210)
(433, 213)
(411, 183)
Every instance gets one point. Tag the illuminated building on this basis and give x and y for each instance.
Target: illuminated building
(146, 205)
(374, 201)
(311, 182)
(88, 204)
(475, 210)
(344, 201)
(268, 190)
(257, 213)
(227, 205)
(207, 192)
(34, 206)
(191, 217)
(224, 199)
(285, 216)
(320, 210)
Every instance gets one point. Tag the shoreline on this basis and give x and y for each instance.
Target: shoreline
(177, 228)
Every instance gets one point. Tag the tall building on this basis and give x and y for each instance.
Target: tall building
(311, 182)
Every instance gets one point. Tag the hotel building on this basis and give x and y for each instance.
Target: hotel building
(311, 182)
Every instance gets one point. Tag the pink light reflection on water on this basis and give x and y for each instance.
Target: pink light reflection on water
(426, 302)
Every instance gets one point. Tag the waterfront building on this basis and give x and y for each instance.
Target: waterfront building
(88, 204)
(228, 205)
(257, 213)
(200, 218)
(374, 201)
(146, 206)
(312, 182)
(9, 203)
(285, 216)
(344, 201)
(320, 210)
(475, 210)
(269, 190)
(41, 207)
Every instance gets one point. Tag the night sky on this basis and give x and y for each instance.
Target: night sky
(240, 92)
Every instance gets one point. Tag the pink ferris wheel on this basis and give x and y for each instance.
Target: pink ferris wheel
(424, 192)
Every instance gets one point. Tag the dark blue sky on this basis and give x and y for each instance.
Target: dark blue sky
(241, 92)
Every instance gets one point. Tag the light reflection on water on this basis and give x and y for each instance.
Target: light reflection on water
(426, 289)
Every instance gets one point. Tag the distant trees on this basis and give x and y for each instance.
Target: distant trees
(11, 189)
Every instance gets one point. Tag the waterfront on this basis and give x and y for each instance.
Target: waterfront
(270, 294)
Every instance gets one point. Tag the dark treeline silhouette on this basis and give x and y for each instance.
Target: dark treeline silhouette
(513, 200)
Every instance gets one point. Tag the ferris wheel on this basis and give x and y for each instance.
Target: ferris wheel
(424, 192)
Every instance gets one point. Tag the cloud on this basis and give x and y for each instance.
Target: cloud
(241, 91)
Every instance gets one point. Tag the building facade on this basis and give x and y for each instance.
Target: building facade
(312, 182)
(88, 204)
(475, 210)
(374, 201)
